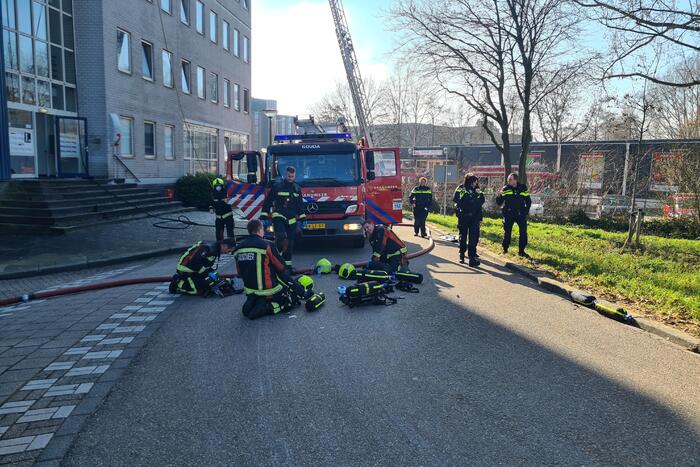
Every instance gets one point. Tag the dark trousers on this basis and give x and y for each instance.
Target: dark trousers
(469, 231)
(390, 265)
(228, 224)
(190, 284)
(285, 235)
(257, 306)
(419, 217)
(508, 222)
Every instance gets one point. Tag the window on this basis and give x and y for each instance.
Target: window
(126, 143)
(26, 55)
(12, 87)
(123, 51)
(214, 87)
(199, 17)
(41, 54)
(213, 26)
(201, 148)
(28, 90)
(201, 83)
(236, 97)
(40, 21)
(24, 16)
(245, 4)
(10, 43)
(236, 46)
(147, 60)
(227, 93)
(384, 163)
(185, 76)
(185, 12)
(149, 139)
(166, 6)
(8, 14)
(169, 142)
(167, 58)
(246, 49)
(225, 32)
(246, 100)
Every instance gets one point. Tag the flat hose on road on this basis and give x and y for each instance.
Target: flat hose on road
(157, 279)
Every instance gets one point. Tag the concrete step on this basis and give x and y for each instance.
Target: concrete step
(68, 195)
(53, 203)
(86, 207)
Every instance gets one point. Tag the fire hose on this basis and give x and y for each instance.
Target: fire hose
(157, 279)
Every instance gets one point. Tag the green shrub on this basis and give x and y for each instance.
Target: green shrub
(195, 190)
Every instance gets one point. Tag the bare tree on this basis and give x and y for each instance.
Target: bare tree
(642, 27)
(560, 114)
(679, 107)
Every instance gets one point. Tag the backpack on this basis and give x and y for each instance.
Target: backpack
(367, 275)
(368, 293)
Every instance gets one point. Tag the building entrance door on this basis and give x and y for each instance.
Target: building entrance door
(22, 144)
(71, 146)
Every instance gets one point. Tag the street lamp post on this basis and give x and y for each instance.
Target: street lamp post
(270, 114)
(5, 167)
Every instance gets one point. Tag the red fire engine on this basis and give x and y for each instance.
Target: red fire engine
(343, 183)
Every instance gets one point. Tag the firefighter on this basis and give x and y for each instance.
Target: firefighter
(222, 210)
(421, 198)
(284, 207)
(515, 201)
(267, 285)
(196, 264)
(388, 251)
(469, 200)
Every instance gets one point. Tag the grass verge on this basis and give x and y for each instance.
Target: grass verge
(663, 278)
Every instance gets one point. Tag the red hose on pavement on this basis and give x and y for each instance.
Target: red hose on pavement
(157, 279)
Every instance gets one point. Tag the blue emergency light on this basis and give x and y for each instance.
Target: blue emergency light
(329, 136)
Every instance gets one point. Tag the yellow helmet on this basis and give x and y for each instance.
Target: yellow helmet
(217, 182)
(324, 266)
(346, 271)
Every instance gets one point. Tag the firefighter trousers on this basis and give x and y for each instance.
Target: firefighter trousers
(469, 232)
(390, 265)
(419, 217)
(227, 223)
(190, 284)
(257, 306)
(284, 238)
(508, 222)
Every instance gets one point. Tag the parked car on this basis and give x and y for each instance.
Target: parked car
(537, 207)
(679, 205)
(613, 205)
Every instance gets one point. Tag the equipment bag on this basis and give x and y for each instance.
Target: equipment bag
(315, 302)
(368, 293)
(410, 277)
(367, 275)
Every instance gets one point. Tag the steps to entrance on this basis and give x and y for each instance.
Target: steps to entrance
(55, 206)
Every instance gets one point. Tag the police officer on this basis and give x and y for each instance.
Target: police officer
(469, 200)
(284, 206)
(388, 251)
(222, 210)
(421, 198)
(515, 201)
(264, 275)
(194, 266)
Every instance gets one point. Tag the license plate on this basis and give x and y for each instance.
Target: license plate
(315, 226)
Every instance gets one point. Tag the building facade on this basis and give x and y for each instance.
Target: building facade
(281, 124)
(138, 89)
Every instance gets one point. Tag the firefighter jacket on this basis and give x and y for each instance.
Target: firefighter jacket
(422, 197)
(285, 200)
(260, 267)
(199, 259)
(385, 244)
(468, 203)
(515, 202)
(218, 203)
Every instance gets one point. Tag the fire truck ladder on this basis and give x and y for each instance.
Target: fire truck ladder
(352, 70)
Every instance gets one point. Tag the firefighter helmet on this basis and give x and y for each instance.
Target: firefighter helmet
(324, 266)
(217, 182)
(306, 282)
(346, 271)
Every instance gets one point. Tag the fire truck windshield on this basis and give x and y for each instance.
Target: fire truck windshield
(314, 170)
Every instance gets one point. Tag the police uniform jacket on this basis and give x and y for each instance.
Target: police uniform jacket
(469, 204)
(422, 196)
(514, 202)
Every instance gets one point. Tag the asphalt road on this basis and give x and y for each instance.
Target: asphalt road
(481, 367)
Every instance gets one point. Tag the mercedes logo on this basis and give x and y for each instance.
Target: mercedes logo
(312, 208)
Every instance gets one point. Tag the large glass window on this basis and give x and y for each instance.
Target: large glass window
(28, 90)
(227, 93)
(126, 125)
(167, 58)
(147, 60)
(225, 35)
(8, 14)
(214, 87)
(149, 139)
(166, 6)
(246, 100)
(70, 67)
(71, 100)
(26, 55)
(199, 17)
(56, 63)
(320, 169)
(68, 41)
(57, 97)
(201, 83)
(236, 97)
(169, 142)
(246, 49)
(213, 26)
(41, 53)
(185, 11)
(55, 26)
(24, 16)
(185, 76)
(10, 45)
(12, 87)
(201, 149)
(123, 51)
(43, 93)
(236, 45)
(40, 20)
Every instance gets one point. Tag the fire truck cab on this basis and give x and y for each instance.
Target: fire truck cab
(343, 183)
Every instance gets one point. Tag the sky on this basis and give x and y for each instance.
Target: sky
(295, 54)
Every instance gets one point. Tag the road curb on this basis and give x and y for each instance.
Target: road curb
(91, 264)
(668, 333)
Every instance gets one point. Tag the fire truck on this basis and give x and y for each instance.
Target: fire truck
(342, 182)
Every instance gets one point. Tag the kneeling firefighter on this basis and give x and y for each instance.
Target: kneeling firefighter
(469, 200)
(269, 288)
(196, 265)
(388, 251)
